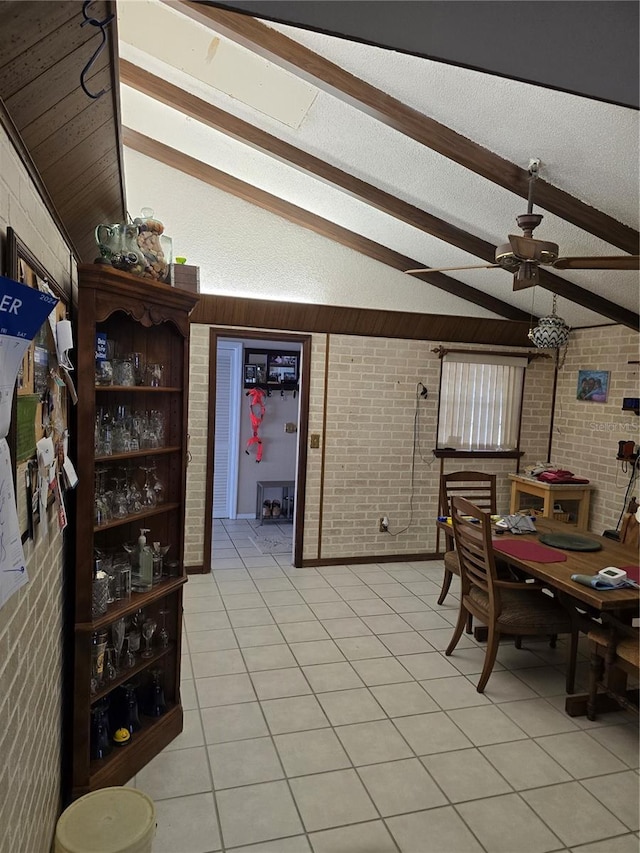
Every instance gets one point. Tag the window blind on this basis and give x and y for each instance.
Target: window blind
(480, 401)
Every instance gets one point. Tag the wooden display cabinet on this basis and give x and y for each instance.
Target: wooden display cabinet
(151, 318)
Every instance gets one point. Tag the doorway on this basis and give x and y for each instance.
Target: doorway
(232, 474)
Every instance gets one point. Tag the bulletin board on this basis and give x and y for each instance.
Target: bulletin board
(41, 399)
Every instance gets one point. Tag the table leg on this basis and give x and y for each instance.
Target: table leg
(547, 509)
(583, 510)
(515, 494)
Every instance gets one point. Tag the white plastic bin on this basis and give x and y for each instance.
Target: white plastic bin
(110, 820)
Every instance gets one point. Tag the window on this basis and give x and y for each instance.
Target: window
(480, 401)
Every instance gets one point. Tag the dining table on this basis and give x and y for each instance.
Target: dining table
(586, 602)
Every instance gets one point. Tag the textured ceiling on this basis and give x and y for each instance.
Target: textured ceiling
(588, 148)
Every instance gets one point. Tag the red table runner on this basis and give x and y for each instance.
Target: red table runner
(527, 550)
(633, 572)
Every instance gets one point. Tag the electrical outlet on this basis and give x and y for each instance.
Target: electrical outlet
(383, 526)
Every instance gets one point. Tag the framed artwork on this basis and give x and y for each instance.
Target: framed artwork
(593, 386)
(40, 404)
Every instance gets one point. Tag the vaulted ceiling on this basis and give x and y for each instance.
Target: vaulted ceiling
(405, 161)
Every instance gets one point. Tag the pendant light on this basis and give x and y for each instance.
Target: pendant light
(551, 332)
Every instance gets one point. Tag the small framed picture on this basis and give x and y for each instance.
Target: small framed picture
(593, 386)
(250, 374)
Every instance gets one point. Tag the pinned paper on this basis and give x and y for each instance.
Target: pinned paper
(64, 343)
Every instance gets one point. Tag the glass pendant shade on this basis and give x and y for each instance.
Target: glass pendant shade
(551, 332)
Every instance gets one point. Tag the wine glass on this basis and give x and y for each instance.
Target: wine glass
(148, 628)
(129, 656)
(163, 633)
(110, 671)
(160, 551)
(149, 497)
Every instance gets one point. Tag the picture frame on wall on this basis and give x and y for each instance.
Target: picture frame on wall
(593, 386)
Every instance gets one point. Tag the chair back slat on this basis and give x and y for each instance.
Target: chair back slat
(472, 531)
(476, 486)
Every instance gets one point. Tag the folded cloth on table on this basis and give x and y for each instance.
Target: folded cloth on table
(559, 476)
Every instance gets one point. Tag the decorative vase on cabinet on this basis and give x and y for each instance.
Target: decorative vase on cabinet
(131, 451)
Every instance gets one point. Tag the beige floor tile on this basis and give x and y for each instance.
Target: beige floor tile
(620, 793)
(268, 657)
(175, 774)
(386, 624)
(278, 683)
(440, 638)
(398, 787)
(224, 690)
(456, 692)
(187, 824)
(297, 844)
(371, 607)
(212, 641)
(244, 601)
(188, 695)
(428, 665)
(505, 824)
(244, 762)
(486, 724)
(504, 687)
(406, 643)
(580, 754)
(308, 752)
(233, 722)
(205, 621)
(385, 670)
(297, 713)
(280, 597)
(316, 651)
(359, 648)
(350, 706)
(573, 813)
(433, 831)
(544, 680)
(257, 813)
(203, 604)
(269, 584)
(331, 676)
(354, 593)
(465, 775)
(302, 632)
(426, 620)
(525, 765)
(225, 662)
(234, 587)
(352, 627)
(191, 734)
(429, 733)
(260, 635)
(291, 613)
(332, 799)
(370, 837)
(332, 610)
(409, 604)
(402, 700)
(622, 741)
(318, 594)
(251, 617)
(537, 717)
(621, 844)
(373, 742)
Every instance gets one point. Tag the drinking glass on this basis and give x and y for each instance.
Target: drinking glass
(117, 635)
(163, 634)
(139, 370)
(155, 373)
(148, 628)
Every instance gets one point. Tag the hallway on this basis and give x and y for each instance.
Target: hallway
(322, 715)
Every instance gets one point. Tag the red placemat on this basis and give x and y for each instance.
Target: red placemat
(633, 572)
(529, 550)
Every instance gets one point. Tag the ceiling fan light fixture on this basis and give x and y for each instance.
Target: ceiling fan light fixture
(551, 332)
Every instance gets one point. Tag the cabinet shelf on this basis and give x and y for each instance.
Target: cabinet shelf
(118, 522)
(138, 454)
(128, 674)
(137, 601)
(155, 732)
(151, 318)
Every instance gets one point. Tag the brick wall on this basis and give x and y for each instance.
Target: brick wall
(586, 435)
(368, 445)
(31, 621)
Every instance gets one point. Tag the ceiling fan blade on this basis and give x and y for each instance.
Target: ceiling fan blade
(612, 262)
(451, 269)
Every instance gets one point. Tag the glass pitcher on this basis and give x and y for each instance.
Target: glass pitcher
(119, 245)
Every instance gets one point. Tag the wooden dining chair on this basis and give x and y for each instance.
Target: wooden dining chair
(614, 649)
(516, 608)
(475, 486)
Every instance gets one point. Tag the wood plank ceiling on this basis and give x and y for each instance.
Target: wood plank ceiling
(72, 139)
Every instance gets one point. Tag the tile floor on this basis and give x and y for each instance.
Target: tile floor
(322, 715)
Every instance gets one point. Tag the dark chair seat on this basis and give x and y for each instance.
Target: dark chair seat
(525, 612)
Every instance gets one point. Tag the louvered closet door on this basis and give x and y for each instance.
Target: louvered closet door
(226, 438)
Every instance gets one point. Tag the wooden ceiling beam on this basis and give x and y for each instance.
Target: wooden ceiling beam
(260, 198)
(222, 121)
(329, 77)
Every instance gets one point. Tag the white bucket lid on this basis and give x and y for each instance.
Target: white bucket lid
(110, 820)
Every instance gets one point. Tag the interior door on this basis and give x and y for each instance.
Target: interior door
(225, 453)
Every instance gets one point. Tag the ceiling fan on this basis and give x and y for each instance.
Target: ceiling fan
(524, 254)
